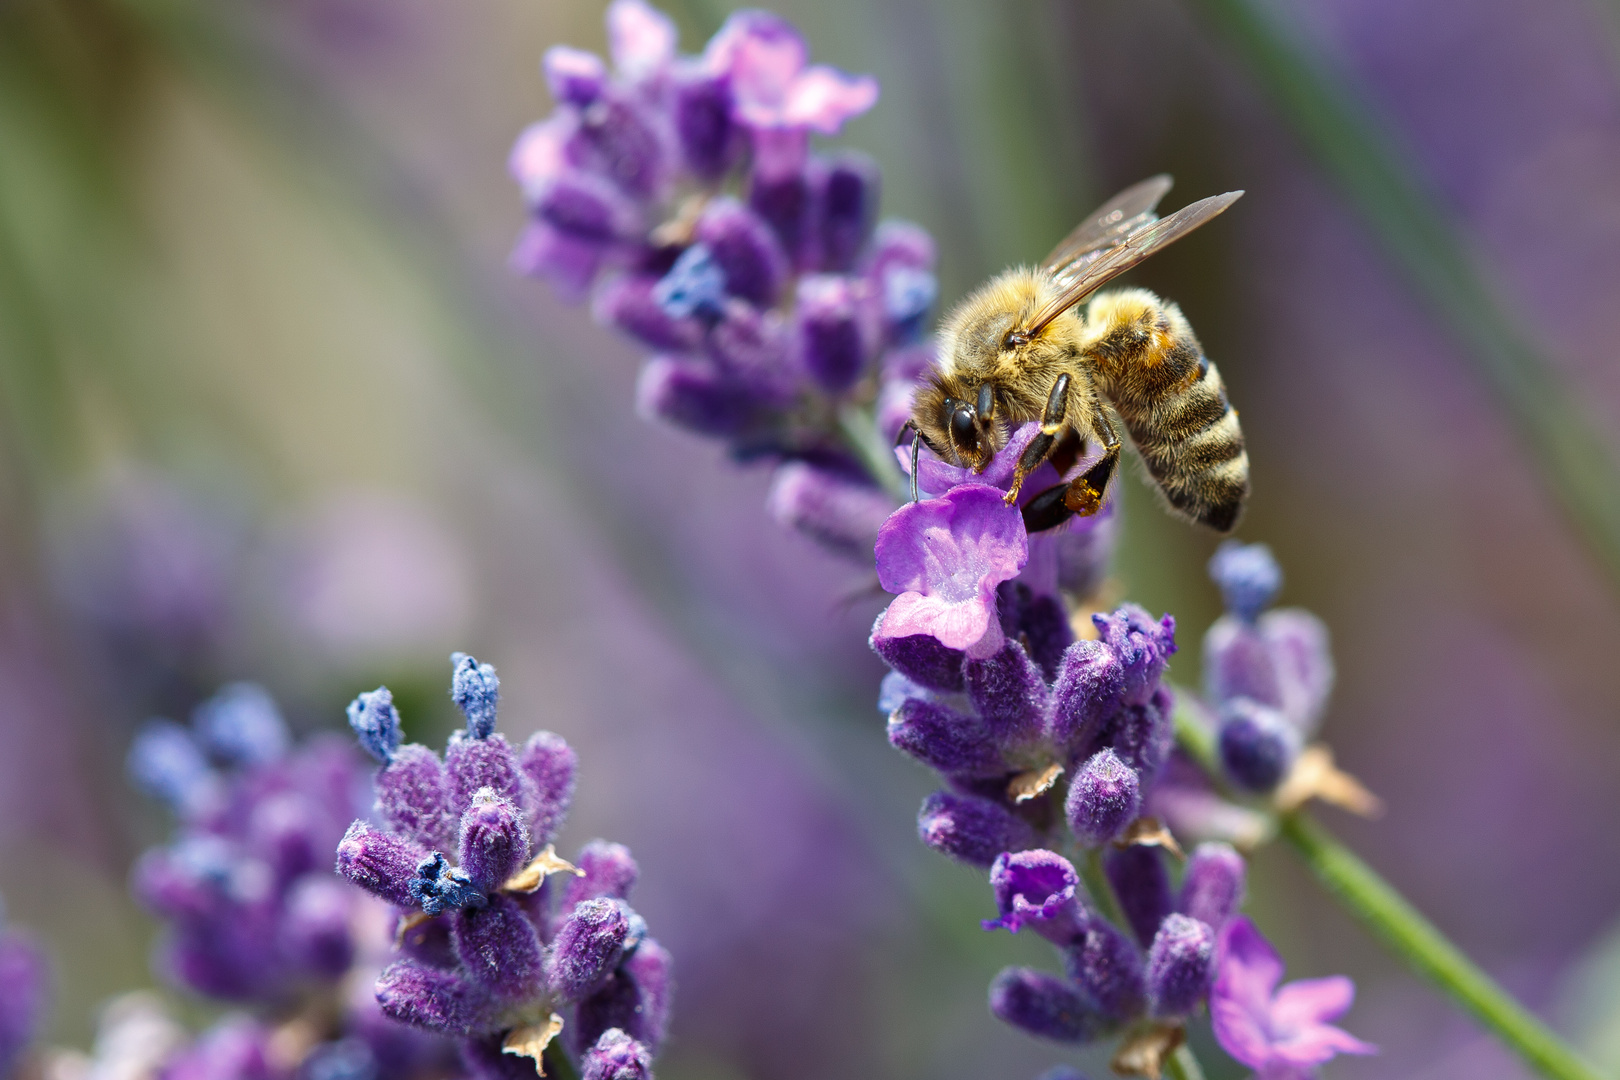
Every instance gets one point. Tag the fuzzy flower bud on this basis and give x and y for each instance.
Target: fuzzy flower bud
(1248, 576)
(1037, 889)
(1104, 797)
(1142, 886)
(241, 725)
(1044, 1005)
(1212, 888)
(616, 1056)
(499, 949)
(1257, 744)
(953, 743)
(748, 254)
(550, 764)
(589, 944)
(432, 998)
(1108, 968)
(376, 723)
(476, 692)
(608, 870)
(850, 189)
(494, 841)
(383, 865)
(413, 795)
(831, 343)
(971, 829)
(574, 76)
(1180, 967)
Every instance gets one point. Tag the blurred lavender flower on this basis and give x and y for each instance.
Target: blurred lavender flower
(24, 989)
(253, 913)
(494, 953)
(1283, 1034)
(779, 316)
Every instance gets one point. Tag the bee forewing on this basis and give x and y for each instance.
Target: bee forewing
(1111, 222)
(1129, 252)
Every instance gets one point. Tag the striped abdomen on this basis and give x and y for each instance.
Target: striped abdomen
(1173, 403)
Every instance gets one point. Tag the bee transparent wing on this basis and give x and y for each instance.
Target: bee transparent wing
(1115, 260)
(1108, 225)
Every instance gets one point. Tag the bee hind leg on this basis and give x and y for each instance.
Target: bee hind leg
(1083, 495)
(1053, 420)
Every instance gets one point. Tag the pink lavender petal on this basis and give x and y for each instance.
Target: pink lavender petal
(822, 98)
(641, 38)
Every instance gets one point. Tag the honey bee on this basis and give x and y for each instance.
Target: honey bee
(1020, 350)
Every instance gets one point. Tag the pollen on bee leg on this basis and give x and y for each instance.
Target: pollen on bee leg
(1082, 498)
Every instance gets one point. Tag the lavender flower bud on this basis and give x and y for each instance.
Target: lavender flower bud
(589, 944)
(1248, 576)
(341, 1059)
(1038, 621)
(24, 978)
(1212, 888)
(630, 304)
(1108, 969)
(1257, 744)
(315, 929)
(494, 841)
(1142, 886)
(971, 829)
(609, 871)
(907, 296)
(838, 513)
(1037, 889)
(922, 659)
(376, 723)
(241, 725)
(165, 762)
(383, 865)
(695, 287)
(945, 739)
(900, 244)
(550, 764)
(567, 261)
(1104, 797)
(615, 140)
(693, 396)
(616, 1056)
(784, 201)
(1142, 734)
(437, 886)
(1180, 967)
(850, 189)
(1010, 693)
(433, 998)
(236, 1048)
(1282, 659)
(574, 76)
(586, 207)
(742, 243)
(831, 344)
(653, 970)
(476, 692)
(1043, 1005)
(473, 764)
(413, 794)
(1089, 684)
(710, 143)
(499, 948)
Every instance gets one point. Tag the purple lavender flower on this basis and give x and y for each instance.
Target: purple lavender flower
(486, 958)
(1278, 1032)
(1180, 967)
(24, 989)
(1038, 889)
(773, 311)
(1045, 1005)
(945, 557)
(1104, 797)
(1212, 886)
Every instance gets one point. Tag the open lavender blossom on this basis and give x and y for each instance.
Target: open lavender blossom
(682, 195)
(497, 953)
(1282, 1033)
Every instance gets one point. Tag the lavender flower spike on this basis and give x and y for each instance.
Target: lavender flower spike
(476, 692)
(376, 723)
(1282, 1033)
(945, 557)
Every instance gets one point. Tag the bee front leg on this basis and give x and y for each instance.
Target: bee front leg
(1084, 495)
(1053, 420)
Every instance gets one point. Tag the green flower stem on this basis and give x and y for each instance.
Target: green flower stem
(1415, 940)
(1183, 1065)
(559, 1066)
(1089, 865)
(860, 431)
(1402, 928)
(1355, 149)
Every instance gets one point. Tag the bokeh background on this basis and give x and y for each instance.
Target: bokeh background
(275, 409)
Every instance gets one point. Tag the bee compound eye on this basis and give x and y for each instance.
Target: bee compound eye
(964, 432)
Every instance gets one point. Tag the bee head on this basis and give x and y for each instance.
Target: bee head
(968, 427)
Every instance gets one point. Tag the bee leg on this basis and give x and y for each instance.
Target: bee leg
(1084, 495)
(1053, 420)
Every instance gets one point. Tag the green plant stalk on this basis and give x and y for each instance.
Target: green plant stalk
(1183, 1065)
(559, 1066)
(1404, 931)
(1414, 939)
(1356, 150)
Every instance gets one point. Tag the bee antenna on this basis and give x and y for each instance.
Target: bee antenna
(916, 445)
